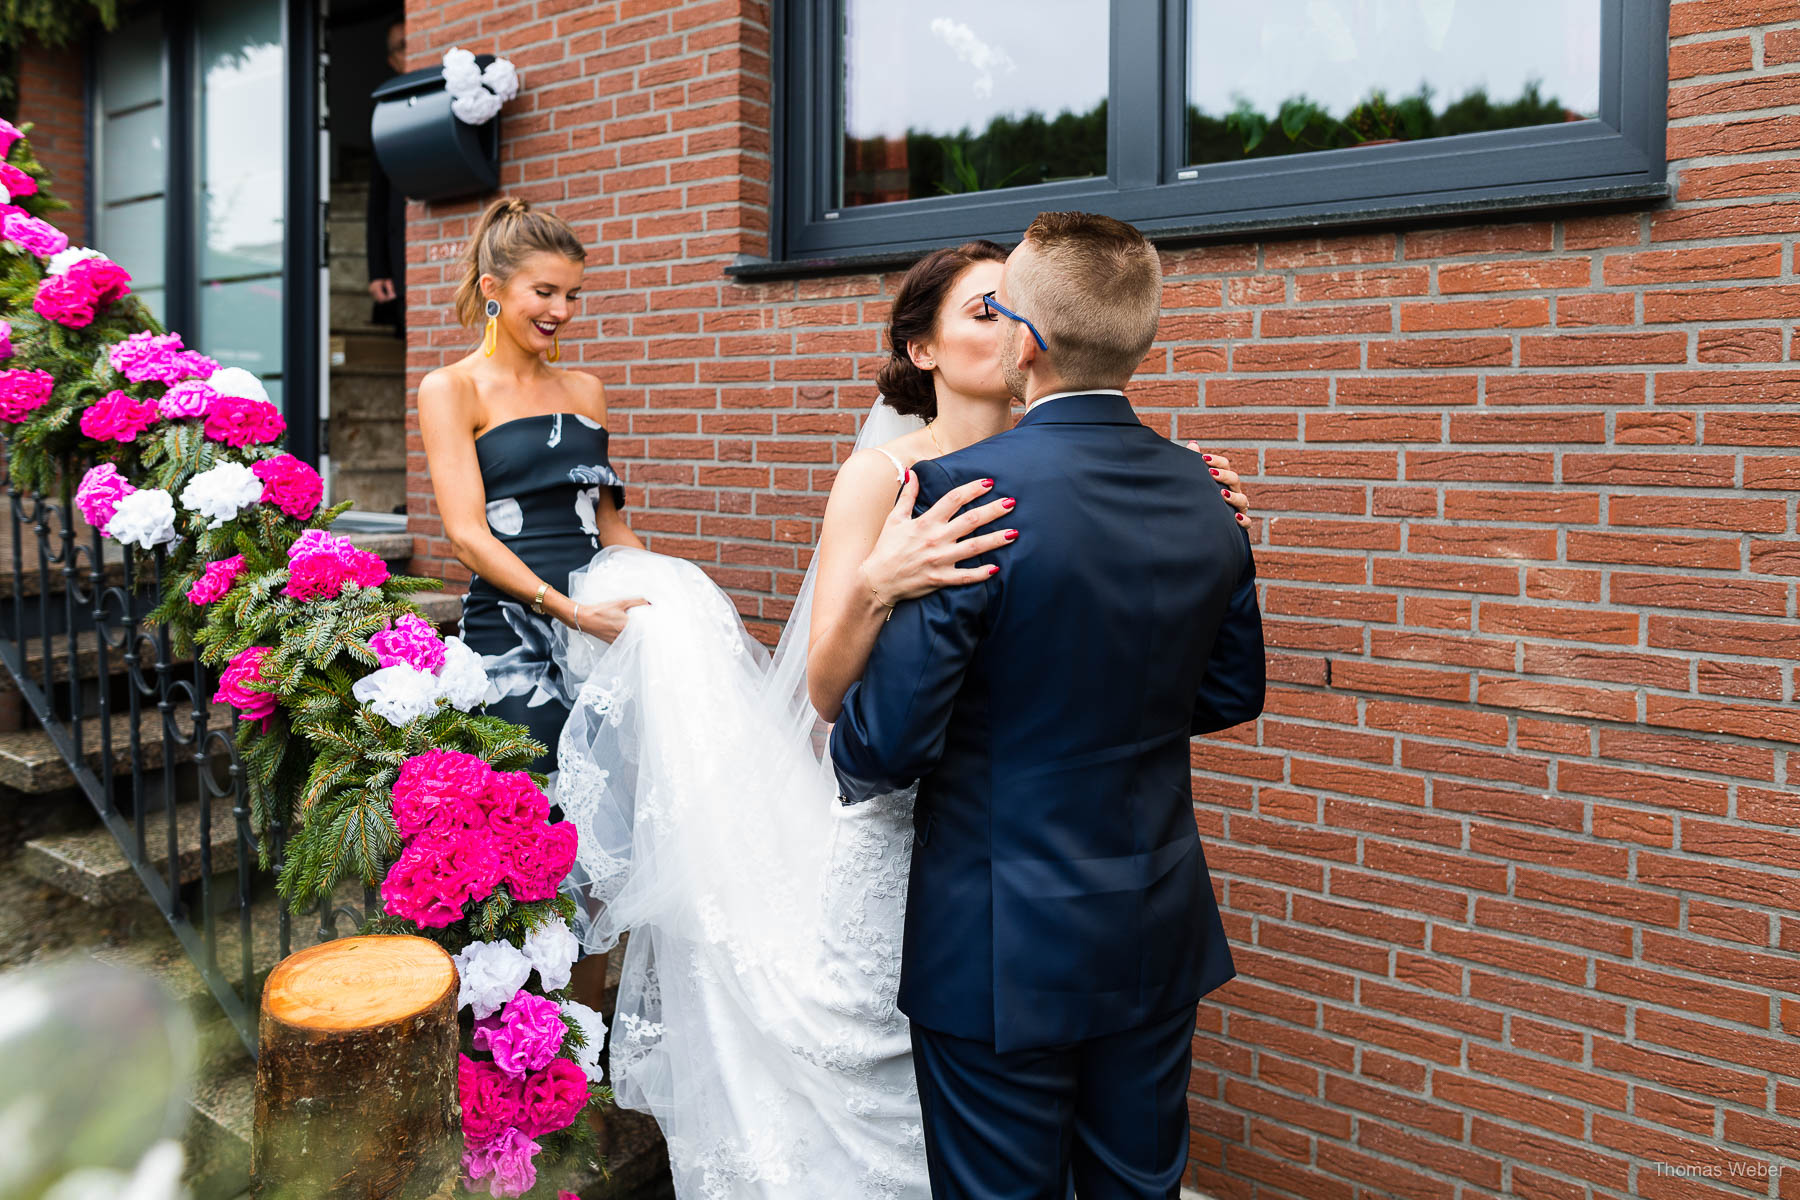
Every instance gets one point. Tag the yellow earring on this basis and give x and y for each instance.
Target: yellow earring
(490, 337)
(555, 349)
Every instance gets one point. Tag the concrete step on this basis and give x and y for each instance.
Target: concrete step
(31, 763)
(442, 609)
(217, 1137)
(113, 556)
(87, 660)
(91, 865)
(353, 352)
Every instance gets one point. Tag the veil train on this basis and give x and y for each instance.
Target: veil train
(755, 1015)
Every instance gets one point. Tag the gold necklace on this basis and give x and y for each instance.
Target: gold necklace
(940, 449)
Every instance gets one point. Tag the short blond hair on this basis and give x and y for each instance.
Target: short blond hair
(1093, 287)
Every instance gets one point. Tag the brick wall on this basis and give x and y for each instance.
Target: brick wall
(53, 97)
(1510, 864)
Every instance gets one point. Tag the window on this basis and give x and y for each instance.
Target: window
(204, 184)
(903, 127)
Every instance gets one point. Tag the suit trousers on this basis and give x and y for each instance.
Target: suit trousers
(1111, 1111)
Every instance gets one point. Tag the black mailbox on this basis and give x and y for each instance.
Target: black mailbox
(426, 151)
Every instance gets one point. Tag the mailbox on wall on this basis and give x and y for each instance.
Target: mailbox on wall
(426, 151)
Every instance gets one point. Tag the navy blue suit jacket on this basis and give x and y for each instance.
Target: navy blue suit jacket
(1058, 889)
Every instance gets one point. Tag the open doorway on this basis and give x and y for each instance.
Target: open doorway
(363, 433)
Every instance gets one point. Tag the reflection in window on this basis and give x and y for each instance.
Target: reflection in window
(130, 153)
(946, 100)
(242, 183)
(1293, 76)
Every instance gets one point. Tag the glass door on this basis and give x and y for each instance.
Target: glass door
(241, 185)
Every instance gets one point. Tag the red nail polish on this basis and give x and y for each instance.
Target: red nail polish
(1225, 492)
(1206, 458)
(1011, 534)
(987, 483)
(1008, 502)
(993, 571)
(1215, 472)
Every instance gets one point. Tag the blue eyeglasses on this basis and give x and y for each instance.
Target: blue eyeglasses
(994, 306)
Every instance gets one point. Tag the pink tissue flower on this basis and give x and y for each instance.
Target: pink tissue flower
(116, 417)
(537, 863)
(490, 1100)
(411, 641)
(23, 392)
(316, 577)
(159, 356)
(435, 877)
(421, 814)
(525, 1035)
(516, 807)
(99, 494)
(290, 485)
(504, 1162)
(220, 574)
(319, 565)
(9, 133)
(189, 398)
(66, 300)
(16, 181)
(35, 234)
(104, 277)
(444, 773)
(6, 346)
(234, 687)
(553, 1098)
(240, 422)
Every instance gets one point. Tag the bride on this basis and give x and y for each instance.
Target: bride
(756, 1015)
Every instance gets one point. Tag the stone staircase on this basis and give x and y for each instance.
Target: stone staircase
(367, 441)
(62, 867)
(70, 886)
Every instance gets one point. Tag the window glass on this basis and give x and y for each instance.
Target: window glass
(130, 154)
(1295, 76)
(242, 182)
(970, 98)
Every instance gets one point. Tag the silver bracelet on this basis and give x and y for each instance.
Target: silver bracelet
(578, 618)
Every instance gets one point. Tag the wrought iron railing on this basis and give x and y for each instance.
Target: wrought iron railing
(87, 613)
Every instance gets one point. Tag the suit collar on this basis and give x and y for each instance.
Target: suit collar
(1085, 409)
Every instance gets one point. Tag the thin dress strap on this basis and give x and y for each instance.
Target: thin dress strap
(899, 468)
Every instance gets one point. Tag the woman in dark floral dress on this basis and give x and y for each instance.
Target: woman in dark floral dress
(516, 450)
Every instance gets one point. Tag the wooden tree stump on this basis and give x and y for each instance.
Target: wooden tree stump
(356, 1077)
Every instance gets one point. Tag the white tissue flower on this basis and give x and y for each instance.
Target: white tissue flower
(593, 1031)
(475, 108)
(399, 693)
(461, 75)
(502, 78)
(222, 492)
(145, 519)
(491, 973)
(61, 261)
(235, 381)
(462, 680)
(552, 949)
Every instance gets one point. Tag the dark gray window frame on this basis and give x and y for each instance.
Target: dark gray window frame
(1617, 158)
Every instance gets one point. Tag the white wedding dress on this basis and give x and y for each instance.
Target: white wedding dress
(756, 1014)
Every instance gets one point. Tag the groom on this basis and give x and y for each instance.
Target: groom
(1061, 925)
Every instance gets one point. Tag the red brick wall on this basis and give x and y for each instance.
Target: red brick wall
(53, 97)
(1510, 864)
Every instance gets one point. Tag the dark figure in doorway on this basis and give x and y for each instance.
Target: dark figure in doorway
(387, 221)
